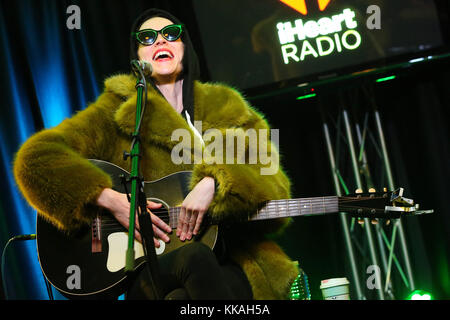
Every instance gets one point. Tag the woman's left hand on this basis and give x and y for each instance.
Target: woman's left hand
(194, 208)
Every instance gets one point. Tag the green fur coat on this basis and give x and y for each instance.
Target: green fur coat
(53, 174)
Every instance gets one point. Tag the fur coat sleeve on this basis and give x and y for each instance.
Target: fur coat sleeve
(52, 170)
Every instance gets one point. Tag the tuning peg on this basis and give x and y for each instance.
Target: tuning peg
(358, 191)
(372, 221)
(372, 190)
(384, 189)
(388, 222)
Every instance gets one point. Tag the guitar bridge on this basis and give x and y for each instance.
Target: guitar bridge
(96, 234)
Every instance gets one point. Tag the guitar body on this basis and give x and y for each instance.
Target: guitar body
(90, 263)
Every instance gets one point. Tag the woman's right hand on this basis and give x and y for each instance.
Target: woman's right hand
(119, 206)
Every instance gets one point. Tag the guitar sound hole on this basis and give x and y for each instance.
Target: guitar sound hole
(163, 212)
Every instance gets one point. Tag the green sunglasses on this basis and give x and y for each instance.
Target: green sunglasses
(147, 37)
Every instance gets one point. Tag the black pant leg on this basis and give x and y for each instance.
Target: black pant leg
(194, 268)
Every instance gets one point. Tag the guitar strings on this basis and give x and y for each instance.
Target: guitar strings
(273, 204)
(173, 223)
(272, 209)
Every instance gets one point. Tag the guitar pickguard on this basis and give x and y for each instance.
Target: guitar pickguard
(117, 247)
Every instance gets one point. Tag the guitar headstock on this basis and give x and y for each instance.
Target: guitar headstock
(379, 205)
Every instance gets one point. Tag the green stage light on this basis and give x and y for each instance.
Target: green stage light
(386, 79)
(312, 95)
(420, 295)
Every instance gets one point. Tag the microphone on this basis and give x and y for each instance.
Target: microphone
(142, 65)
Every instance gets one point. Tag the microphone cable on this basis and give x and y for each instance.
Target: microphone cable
(23, 237)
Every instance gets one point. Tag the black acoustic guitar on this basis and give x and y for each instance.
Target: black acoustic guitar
(91, 262)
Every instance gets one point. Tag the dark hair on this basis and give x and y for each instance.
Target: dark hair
(191, 69)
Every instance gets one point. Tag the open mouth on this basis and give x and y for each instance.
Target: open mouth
(163, 55)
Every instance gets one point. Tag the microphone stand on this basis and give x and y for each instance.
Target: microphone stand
(138, 199)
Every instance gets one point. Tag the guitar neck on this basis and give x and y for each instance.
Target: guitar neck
(297, 207)
(283, 208)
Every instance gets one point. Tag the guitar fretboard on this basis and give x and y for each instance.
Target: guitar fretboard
(297, 207)
(282, 208)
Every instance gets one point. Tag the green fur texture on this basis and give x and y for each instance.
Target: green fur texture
(55, 177)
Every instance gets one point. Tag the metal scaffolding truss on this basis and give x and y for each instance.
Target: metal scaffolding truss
(359, 160)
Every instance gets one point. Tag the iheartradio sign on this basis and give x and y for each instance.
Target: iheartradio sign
(305, 38)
